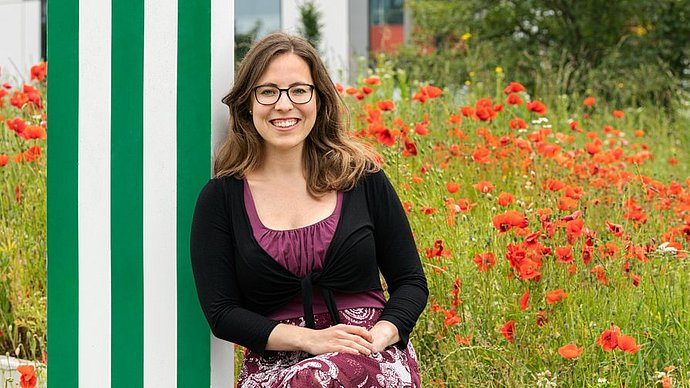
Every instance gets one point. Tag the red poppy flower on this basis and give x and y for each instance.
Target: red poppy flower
(410, 148)
(528, 270)
(385, 105)
(484, 261)
(566, 203)
(28, 376)
(542, 318)
(481, 154)
(586, 254)
(570, 351)
(33, 153)
(589, 101)
(373, 80)
(421, 129)
(513, 87)
(17, 125)
(484, 187)
(466, 340)
(616, 229)
(619, 114)
(465, 204)
(351, 90)
(451, 319)
(428, 210)
(452, 187)
(385, 137)
(517, 123)
(564, 254)
(505, 199)
(554, 184)
(367, 90)
(600, 272)
(34, 132)
(467, 111)
(627, 344)
(608, 340)
(636, 280)
(504, 222)
(574, 229)
(39, 71)
(513, 99)
(593, 148)
(455, 119)
(431, 91)
(427, 92)
(508, 330)
(555, 296)
(524, 300)
(537, 107)
(4, 159)
(485, 114)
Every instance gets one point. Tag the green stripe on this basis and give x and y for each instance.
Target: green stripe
(193, 167)
(63, 250)
(127, 152)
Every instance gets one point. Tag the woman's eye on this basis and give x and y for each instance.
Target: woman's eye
(298, 91)
(267, 92)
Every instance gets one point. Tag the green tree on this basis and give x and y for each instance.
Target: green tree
(622, 48)
(310, 23)
(244, 41)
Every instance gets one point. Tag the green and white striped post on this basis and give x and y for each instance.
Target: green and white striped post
(135, 89)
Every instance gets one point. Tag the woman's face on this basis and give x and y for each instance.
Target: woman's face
(284, 125)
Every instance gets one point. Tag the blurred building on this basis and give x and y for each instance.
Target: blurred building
(22, 36)
(351, 29)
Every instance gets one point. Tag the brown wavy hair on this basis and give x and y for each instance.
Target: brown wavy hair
(333, 160)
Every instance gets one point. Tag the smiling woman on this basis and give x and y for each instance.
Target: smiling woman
(281, 121)
(288, 239)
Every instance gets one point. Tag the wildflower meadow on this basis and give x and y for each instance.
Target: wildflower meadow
(554, 230)
(23, 135)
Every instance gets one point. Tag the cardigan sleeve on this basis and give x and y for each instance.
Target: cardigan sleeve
(397, 258)
(211, 249)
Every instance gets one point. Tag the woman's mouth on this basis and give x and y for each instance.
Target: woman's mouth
(284, 123)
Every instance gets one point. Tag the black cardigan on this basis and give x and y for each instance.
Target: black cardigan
(238, 283)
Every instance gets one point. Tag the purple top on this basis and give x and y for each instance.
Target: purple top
(301, 251)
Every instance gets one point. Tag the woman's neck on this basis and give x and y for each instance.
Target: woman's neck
(282, 164)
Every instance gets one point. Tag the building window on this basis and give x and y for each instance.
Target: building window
(254, 20)
(386, 30)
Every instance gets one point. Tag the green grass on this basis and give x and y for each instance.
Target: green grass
(655, 313)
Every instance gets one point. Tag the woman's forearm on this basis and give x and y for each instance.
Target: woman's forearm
(339, 338)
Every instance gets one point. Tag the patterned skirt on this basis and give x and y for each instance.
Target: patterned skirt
(391, 368)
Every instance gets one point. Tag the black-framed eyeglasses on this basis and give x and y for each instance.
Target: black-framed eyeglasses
(298, 94)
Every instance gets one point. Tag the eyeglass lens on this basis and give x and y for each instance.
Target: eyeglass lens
(298, 94)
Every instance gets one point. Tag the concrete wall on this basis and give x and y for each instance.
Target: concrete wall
(20, 37)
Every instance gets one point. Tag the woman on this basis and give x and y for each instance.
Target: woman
(289, 236)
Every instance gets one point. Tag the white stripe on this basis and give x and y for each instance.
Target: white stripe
(160, 193)
(222, 66)
(93, 192)
(222, 54)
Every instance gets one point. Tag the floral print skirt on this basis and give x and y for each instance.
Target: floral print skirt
(391, 368)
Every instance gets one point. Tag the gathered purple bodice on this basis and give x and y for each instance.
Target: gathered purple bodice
(302, 251)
